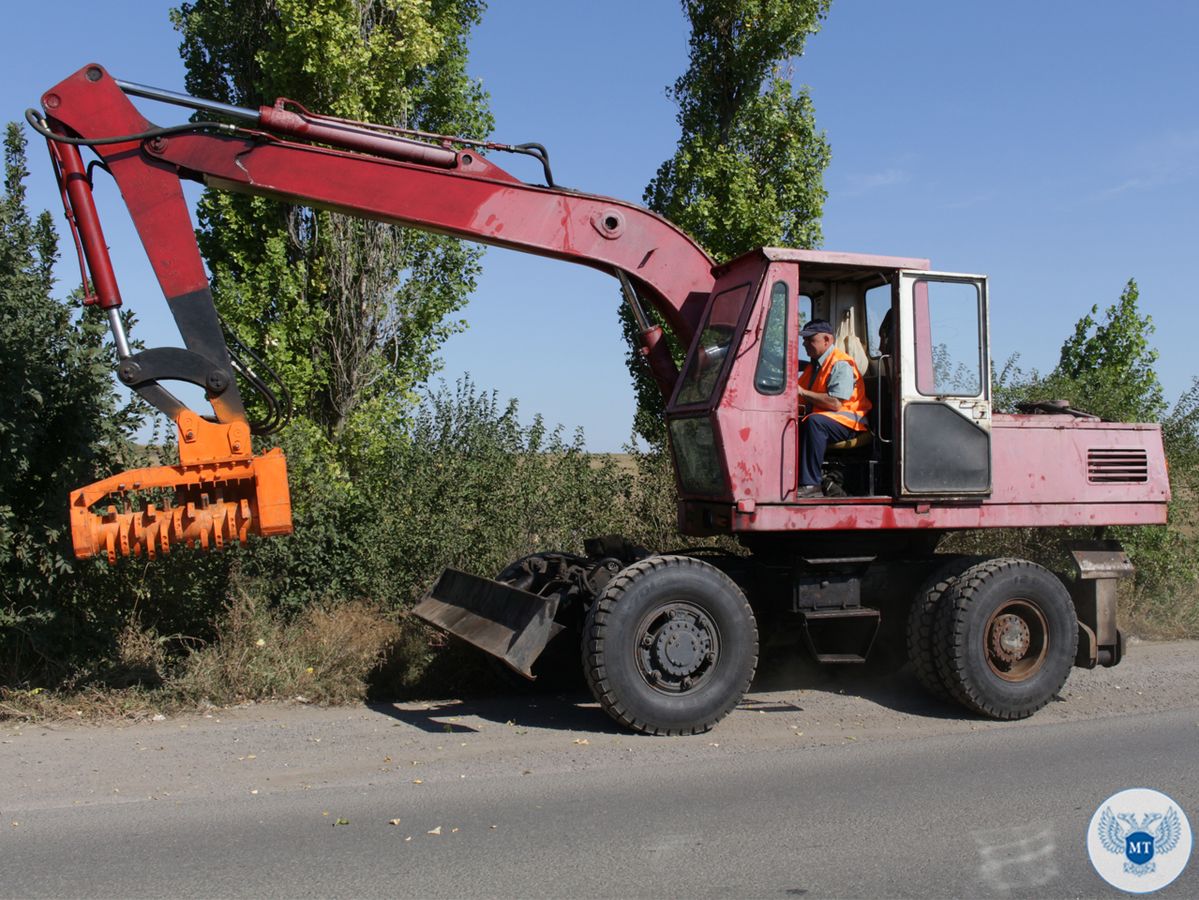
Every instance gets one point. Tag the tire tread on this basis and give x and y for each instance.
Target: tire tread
(952, 624)
(594, 666)
(922, 621)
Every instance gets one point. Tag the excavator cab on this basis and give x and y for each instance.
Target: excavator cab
(734, 420)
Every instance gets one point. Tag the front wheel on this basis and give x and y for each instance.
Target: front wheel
(1006, 638)
(670, 646)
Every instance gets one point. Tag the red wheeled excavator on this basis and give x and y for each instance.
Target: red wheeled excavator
(669, 641)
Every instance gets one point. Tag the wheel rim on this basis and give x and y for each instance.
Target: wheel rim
(1017, 640)
(678, 646)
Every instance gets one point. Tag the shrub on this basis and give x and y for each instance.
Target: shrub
(61, 427)
(322, 654)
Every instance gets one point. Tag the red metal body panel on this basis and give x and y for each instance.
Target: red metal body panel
(1047, 470)
(817, 260)
(1044, 476)
(152, 191)
(759, 431)
(1050, 459)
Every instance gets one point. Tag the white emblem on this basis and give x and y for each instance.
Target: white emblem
(1139, 840)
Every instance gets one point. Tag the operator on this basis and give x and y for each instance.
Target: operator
(834, 402)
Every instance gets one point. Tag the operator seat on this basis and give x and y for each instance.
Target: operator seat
(849, 343)
(859, 448)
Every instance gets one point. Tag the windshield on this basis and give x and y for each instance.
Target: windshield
(712, 350)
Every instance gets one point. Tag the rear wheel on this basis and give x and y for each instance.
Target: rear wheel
(670, 646)
(922, 623)
(1006, 638)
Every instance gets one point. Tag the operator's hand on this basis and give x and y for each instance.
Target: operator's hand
(823, 401)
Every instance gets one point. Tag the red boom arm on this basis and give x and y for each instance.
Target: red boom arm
(458, 193)
(365, 171)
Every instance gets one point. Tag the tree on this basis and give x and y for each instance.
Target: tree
(349, 312)
(1110, 364)
(61, 425)
(749, 167)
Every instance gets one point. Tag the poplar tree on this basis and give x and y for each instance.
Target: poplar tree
(749, 167)
(350, 313)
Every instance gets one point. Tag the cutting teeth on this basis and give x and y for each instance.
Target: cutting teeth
(220, 497)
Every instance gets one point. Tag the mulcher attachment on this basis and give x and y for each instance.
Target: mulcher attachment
(218, 494)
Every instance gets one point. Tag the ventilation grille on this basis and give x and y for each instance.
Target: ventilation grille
(1130, 466)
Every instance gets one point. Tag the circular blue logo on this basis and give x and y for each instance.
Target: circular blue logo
(1139, 840)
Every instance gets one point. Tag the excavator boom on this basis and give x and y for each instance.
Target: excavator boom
(287, 153)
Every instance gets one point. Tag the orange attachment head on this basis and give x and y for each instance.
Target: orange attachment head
(221, 493)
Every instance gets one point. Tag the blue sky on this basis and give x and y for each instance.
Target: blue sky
(1052, 146)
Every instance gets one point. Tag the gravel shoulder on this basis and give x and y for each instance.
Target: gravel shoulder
(266, 749)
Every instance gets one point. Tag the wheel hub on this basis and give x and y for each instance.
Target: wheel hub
(677, 648)
(1017, 640)
(680, 647)
(1009, 638)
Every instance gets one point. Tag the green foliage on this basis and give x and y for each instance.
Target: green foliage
(1167, 557)
(346, 310)
(1109, 364)
(1106, 368)
(61, 427)
(462, 484)
(749, 167)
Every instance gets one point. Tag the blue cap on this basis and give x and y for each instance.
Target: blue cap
(816, 326)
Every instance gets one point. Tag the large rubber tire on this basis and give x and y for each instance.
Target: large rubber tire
(670, 646)
(922, 623)
(1006, 635)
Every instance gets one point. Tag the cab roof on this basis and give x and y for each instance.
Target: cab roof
(829, 263)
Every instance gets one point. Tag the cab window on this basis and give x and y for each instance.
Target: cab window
(771, 374)
(949, 354)
(711, 353)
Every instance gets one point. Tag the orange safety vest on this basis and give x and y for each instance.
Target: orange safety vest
(852, 413)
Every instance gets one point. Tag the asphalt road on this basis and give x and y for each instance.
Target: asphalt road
(846, 787)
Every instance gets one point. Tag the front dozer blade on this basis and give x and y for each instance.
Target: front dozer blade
(512, 625)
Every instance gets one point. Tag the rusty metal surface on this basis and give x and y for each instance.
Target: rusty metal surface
(1099, 566)
(512, 625)
(1099, 559)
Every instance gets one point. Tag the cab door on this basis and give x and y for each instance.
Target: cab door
(945, 385)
